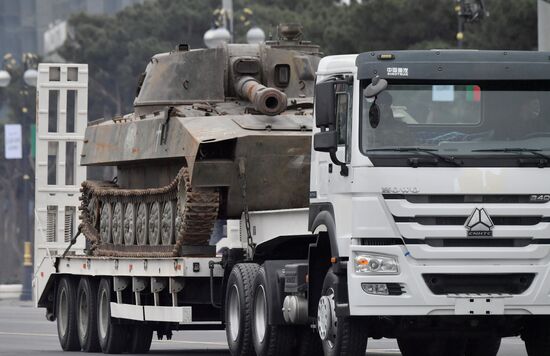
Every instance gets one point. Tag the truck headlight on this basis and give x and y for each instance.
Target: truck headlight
(368, 263)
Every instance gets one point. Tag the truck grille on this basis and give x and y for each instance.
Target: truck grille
(465, 199)
(511, 283)
(460, 220)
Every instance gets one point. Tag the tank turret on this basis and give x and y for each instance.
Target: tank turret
(214, 132)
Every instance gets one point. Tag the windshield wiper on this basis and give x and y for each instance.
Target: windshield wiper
(447, 159)
(545, 159)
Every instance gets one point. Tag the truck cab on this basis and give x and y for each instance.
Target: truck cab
(430, 179)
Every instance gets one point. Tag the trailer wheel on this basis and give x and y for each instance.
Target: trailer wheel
(111, 335)
(66, 315)
(238, 309)
(536, 337)
(139, 339)
(488, 346)
(269, 340)
(339, 335)
(86, 315)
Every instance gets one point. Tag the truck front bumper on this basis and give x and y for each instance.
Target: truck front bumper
(418, 298)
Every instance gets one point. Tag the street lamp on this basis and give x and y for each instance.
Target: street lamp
(30, 77)
(5, 78)
(468, 11)
(216, 36)
(222, 30)
(255, 35)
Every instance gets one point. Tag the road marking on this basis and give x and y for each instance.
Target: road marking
(190, 342)
(25, 334)
(4, 333)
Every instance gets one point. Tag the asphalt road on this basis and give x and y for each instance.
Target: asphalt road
(25, 331)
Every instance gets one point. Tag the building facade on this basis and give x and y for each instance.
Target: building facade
(23, 22)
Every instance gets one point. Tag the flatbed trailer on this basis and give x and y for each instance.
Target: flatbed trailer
(143, 294)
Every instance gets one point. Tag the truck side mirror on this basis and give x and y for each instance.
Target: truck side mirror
(325, 141)
(325, 111)
(325, 119)
(376, 87)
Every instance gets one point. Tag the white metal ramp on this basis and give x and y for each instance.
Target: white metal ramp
(61, 119)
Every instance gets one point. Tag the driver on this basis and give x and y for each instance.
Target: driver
(390, 132)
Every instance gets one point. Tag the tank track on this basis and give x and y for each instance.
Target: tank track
(152, 222)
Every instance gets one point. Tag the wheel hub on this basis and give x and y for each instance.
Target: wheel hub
(260, 314)
(324, 317)
(234, 317)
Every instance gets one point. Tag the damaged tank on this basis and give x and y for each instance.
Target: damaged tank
(214, 133)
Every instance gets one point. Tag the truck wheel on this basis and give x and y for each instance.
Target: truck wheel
(238, 309)
(428, 346)
(66, 315)
(111, 335)
(139, 339)
(536, 337)
(483, 346)
(269, 340)
(86, 315)
(339, 335)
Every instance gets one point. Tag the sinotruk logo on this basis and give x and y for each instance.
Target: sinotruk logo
(479, 223)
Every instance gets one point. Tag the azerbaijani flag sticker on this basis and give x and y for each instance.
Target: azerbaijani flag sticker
(473, 93)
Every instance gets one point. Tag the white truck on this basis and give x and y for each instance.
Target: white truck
(429, 222)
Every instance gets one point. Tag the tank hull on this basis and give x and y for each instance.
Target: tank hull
(274, 152)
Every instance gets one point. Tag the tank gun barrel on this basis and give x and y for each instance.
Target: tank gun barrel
(268, 101)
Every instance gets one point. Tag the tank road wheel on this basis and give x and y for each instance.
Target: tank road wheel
(118, 239)
(154, 224)
(139, 339)
(168, 223)
(238, 309)
(129, 224)
(111, 335)
(269, 340)
(142, 224)
(66, 315)
(93, 211)
(340, 336)
(86, 315)
(106, 223)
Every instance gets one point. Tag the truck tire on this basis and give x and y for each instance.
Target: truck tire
(66, 315)
(488, 346)
(340, 336)
(430, 346)
(536, 338)
(269, 340)
(111, 335)
(86, 316)
(139, 339)
(238, 309)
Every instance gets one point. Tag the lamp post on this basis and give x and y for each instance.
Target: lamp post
(222, 30)
(468, 11)
(24, 80)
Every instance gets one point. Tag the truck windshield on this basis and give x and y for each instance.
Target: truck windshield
(457, 118)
